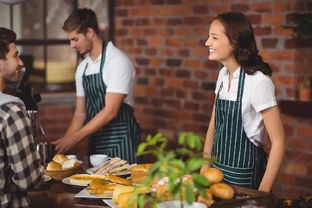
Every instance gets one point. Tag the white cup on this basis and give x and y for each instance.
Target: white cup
(97, 159)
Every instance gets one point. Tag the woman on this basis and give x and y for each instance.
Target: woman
(245, 107)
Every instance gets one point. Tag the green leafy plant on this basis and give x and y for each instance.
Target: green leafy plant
(305, 83)
(174, 164)
(301, 24)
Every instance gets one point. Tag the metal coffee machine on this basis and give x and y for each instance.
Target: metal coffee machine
(24, 91)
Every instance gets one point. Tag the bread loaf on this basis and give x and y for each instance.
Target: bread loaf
(127, 200)
(60, 158)
(213, 175)
(208, 200)
(222, 191)
(121, 189)
(53, 166)
(71, 163)
(139, 172)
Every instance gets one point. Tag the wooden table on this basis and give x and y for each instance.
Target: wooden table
(55, 194)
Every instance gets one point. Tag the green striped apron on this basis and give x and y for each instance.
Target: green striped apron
(242, 162)
(120, 137)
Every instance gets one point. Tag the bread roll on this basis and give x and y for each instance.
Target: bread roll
(83, 179)
(213, 175)
(59, 158)
(139, 172)
(117, 179)
(222, 191)
(71, 163)
(120, 189)
(127, 200)
(53, 166)
(208, 200)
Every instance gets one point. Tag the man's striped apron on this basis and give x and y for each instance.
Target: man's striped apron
(121, 136)
(242, 162)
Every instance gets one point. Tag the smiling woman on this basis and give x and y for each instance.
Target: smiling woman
(245, 106)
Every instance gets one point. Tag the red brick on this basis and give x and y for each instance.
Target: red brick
(156, 62)
(200, 9)
(191, 84)
(269, 42)
(192, 64)
(273, 19)
(150, 32)
(173, 42)
(305, 130)
(166, 72)
(174, 83)
(155, 42)
(176, 104)
(285, 178)
(192, 20)
(283, 55)
(201, 31)
(184, 52)
(200, 52)
(254, 18)
(283, 32)
(191, 127)
(181, 31)
(285, 80)
(262, 7)
(239, 7)
(156, 81)
(135, 32)
(139, 90)
(189, 105)
(283, 6)
(166, 52)
(293, 192)
(151, 51)
(166, 32)
(202, 75)
(220, 8)
(262, 30)
(296, 144)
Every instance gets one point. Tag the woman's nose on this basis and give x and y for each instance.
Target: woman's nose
(207, 43)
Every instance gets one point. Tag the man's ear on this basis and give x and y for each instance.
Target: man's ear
(90, 32)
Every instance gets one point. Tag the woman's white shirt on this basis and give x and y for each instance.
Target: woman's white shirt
(118, 72)
(258, 95)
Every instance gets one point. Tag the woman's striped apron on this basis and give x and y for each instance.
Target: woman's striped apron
(242, 162)
(121, 136)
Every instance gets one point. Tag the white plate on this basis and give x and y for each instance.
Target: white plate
(46, 178)
(85, 194)
(91, 171)
(67, 181)
(110, 203)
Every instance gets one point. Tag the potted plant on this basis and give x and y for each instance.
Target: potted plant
(304, 91)
(178, 168)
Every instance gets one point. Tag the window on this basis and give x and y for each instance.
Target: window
(43, 45)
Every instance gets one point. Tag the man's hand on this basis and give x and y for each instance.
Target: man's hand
(65, 143)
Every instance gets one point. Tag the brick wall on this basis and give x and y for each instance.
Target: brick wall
(165, 40)
(175, 81)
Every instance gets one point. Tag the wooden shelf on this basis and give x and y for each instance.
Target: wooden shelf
(296, 108)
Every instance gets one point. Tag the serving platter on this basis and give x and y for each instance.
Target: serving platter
(67, 182)
(124, 173)
(85, 194)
